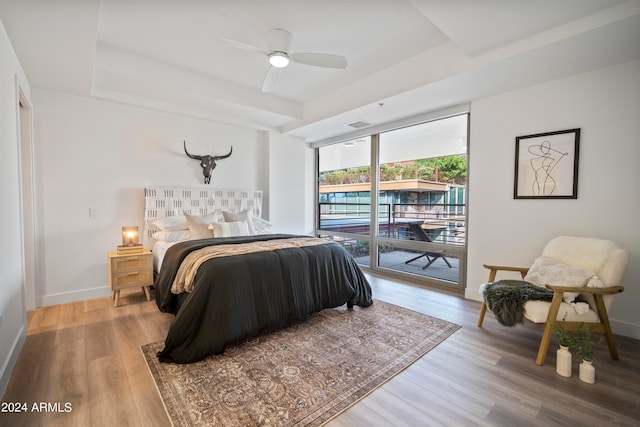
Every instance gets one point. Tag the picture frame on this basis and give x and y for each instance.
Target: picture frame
(546, 165)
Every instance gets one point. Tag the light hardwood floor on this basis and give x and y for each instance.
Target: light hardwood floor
(88, 354)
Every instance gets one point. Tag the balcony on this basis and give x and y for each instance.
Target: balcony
(444, 224)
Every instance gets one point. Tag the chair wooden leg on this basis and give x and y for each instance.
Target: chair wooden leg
(604, 319)
(544, 345)
(483, 307)
(483, 311)
(546, 336)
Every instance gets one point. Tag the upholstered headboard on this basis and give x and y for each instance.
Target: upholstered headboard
(163, 202)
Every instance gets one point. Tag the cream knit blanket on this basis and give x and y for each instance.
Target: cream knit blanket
(184, 281)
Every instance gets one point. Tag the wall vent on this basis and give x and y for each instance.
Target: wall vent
(358, 124)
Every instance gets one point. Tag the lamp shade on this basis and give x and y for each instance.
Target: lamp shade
(129, 236)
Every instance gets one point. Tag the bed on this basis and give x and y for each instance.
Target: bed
(225, 289)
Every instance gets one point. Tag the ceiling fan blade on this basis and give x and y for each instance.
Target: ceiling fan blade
(271, 79)
(319, 59)
(244, 46)
(278, 40)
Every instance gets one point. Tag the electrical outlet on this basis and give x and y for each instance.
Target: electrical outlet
(93, 212)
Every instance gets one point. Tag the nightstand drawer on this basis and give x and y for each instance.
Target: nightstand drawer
(131, 263)
(132, 278)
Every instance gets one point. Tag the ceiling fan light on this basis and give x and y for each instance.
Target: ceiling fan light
(279, 59)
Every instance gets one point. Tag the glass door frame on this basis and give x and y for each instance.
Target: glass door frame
(375, 240)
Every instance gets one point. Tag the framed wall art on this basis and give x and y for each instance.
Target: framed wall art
(547, 165)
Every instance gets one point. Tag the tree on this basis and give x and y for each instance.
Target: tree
(452, 169)
(449, 169)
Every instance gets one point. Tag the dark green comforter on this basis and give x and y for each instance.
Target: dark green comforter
(238, 296)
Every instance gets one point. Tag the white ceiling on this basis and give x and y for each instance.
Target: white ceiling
(413, 56)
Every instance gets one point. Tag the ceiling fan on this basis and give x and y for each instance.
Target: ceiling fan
(278, 42)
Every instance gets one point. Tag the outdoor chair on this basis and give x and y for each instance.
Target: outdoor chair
(419, 233)
(584, 275)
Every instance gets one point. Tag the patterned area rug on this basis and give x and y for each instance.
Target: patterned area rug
(302, 375)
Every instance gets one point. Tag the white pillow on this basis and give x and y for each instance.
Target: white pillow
(230, 229)
(172, 236)
(240, 216)
(261, 226)
(199, 225)
(171, 223)
(547, 271)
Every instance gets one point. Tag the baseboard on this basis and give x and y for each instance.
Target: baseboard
(82, 295)
(473, 294)
(625, 329)
(11, 360)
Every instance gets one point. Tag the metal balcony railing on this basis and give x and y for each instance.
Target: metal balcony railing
(444, 222)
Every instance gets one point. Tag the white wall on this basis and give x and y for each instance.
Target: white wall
(290, 165)
(98, 154)
(12, 305)
(605, 104)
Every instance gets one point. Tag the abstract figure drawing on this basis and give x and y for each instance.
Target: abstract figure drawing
(543, 164)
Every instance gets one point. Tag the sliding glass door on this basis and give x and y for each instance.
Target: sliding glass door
(415, 176)
(344, 195)
(423, 171)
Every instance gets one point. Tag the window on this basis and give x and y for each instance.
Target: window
(422, 169)
(344, 187)
(420, 174)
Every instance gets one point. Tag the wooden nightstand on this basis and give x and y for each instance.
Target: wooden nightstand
(129, 271)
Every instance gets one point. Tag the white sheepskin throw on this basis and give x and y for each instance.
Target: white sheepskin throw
(584, 252)
(601, 256)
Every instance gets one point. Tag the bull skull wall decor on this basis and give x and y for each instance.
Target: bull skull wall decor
(208, 163)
